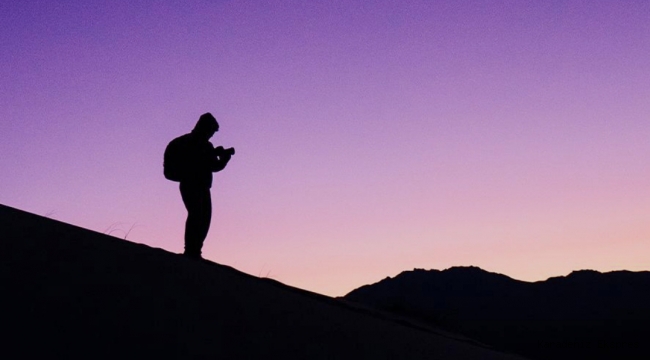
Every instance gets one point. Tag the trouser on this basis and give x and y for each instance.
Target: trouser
(198, 203)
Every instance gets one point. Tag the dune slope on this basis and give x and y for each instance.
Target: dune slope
(71, 293)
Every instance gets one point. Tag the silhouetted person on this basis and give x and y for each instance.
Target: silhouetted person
(195, 159)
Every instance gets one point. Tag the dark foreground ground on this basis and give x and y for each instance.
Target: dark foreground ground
(71, 293)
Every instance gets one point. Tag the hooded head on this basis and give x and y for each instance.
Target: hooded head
(206, 126)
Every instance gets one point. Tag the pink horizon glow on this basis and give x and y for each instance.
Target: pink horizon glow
(371, 138)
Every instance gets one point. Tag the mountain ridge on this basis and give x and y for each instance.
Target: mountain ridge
(586, 314)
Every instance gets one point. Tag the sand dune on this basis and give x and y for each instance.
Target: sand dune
(73, 293)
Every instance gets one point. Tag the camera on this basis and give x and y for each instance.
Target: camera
(220, 151)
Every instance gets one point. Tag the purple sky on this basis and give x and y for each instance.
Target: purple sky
(371, 137)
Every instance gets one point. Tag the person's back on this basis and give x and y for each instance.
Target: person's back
(198, 154)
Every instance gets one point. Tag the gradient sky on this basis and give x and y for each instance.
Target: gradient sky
(372, 137)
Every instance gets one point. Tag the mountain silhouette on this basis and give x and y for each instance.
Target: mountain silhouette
(585, 315)
(72, 293)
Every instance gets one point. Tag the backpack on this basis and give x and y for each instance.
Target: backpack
(175, 161)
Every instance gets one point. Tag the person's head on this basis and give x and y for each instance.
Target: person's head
(206, 126)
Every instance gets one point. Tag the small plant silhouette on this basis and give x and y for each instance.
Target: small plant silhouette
(259, 275)
(116, 227)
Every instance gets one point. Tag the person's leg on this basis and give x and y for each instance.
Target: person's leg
(199, 213)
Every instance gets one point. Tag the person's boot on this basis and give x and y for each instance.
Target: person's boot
(195, 255)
